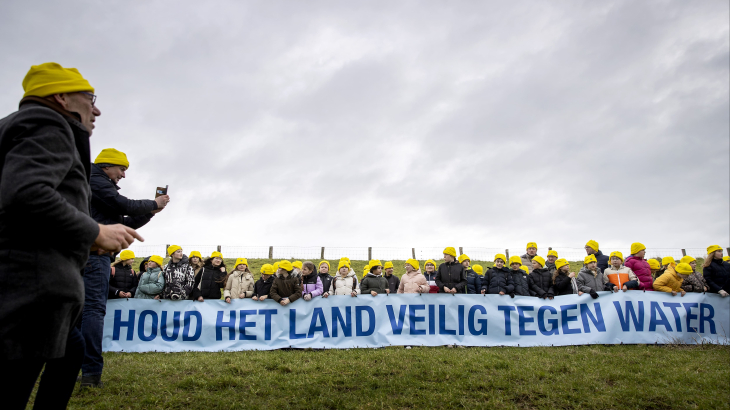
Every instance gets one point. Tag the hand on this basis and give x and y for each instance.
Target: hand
(284, 302)
(447, 290)
(242, 296)
(325, 295)
(594, 294)
(572, 275)
(387, 290)
(683, 292)
(722, 293)
(625, 288)
(484, 291)
(307, 297)
(580, 293)
(674, 293)
(157, 297)
(705, 288)
(353, 294)
(228, 299)
(255, 298)
(551, 297)
(162, 202)
(374, 293)
(200, 298)
(615, 289)
(114, 238)
(262, 298)
(501, 293)
(223, 269)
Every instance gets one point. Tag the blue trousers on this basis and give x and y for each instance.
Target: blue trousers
(96, 285)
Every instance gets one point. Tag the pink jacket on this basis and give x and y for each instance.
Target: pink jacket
(642, 271)
(413, 282)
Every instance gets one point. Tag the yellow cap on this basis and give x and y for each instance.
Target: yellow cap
(667, 260)
(217, 255)
(553, 252)
(654, 264)
(560, 263)
(286, 265)
(156, 259)
(539, 259)
(637, 247)
(172, 249)
(479, 269)
(50, 78)
(388, 265)
(504, 258)
(683, 268)
(713, 248)
(450, 251)
(687, 259)
(617, 254)
(515, 259)
(531, 245)
(588, 259)
(126, 255)
(593, 245)
(463, 257)
(413, 263)
(112, 156)
(726, 258)
(343, 264)
(297, 264)
(267, 269)
(194, 254)
(276, 266)
(373, 263)
(366, 271)
(431, 262)
(526, 269)
(325, 263)
(344, 258)
(240, 261)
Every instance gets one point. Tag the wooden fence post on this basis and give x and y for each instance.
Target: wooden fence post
(461, 250)
(166, 247)
(413, 252)
(684, 252)
(322, 255)
(370, 253)
(271, 252)
(219, 248)
(506, 252)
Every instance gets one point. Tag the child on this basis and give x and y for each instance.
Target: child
(345, 283)
(297, 267)
(393, 281)
(591, 279)
(196, 261)
(479, 269)
(671, 280)
(311, 284)
(564, 282)
(430, 275)
(498, 280)
(541, 280)
(287, 286)
(666, 262)
(123, 280)
(716, 271)
(179, 275)
(374, 283)
(211, 279)
(262, 287)
(654, 266)
(325, 277)
(695, 282)
(152, 281)
(413, 281)
(621, 276)
(451, 276)
(239, 283)
(519, 277)
(640, 266)
(473, 281)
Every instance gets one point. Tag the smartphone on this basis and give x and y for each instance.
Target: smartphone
(161, 191)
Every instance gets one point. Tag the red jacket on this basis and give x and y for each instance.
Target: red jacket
(642, 271)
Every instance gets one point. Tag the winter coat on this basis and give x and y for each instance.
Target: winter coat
(393, 283)
(326, 279)
(473, 282)
(122, 278)
(541, 283)
(45, 228)
(587, 281)
(602, 260)
(263, 287)
(498, 280)
(642, 271)
(373, 283)
(179, 280)
(344, 286)
(451, 275)
(209, 281)
(620, 276)
(289, 286)
(109, 207)
(312, 284)
(150, 284)
(239, 283)
(520, 282)
(669, 282)
(695, 283)
(413, 282)
(527, 261)
(431, 279)
(717, 275)
(565, 285)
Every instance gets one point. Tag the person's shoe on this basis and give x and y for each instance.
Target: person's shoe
(91, 381)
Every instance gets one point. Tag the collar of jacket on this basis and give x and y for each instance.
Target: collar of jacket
(55, 107)
(97, 171)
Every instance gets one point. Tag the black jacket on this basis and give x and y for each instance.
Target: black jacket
(108, 207)
(473, 282)
(519, 280)
(451, 275)
(498, 280)
(209, 282)
(263, 287)
(717, 276)
(393, 283)
(602, 260)
(326, 281)
(541, 283)
(562, 285)
(124, 279)
(45, 228)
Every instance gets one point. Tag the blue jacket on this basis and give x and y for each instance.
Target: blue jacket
(602, 260)
(473, 282)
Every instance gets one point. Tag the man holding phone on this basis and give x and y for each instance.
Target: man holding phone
(108, 207)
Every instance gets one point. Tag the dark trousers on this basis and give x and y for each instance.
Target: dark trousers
(18, 377)
(96, 286)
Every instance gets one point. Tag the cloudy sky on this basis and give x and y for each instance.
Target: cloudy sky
(404, 124)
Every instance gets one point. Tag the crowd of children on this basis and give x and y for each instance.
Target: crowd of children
(193, 278)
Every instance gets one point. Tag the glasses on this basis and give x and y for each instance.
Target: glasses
(93, 97)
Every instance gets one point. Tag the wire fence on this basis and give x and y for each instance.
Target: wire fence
(395, 253)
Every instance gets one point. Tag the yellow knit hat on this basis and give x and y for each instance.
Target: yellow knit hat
(276, 267)
(156, 259)
(560, 263)
(431, 262)
(450, 251)
(479, 269)
(240, 261)
(267, 269)
(668, 260)
(713, 248)
(463, 257)
(172, 249)
(588, 259)
(297, 264)
(526, 269)
(539, 259)
(343, 264)
(126, 255)
(616, 254)
(683, 268)
(366, 271)
(388, 265)
(553, 252)
(654, 264)
(217, 255)
(413, 263)
(50, 78)
(194, 254)
(286, 265)
(515, 259)
(112, 156)
(637, 247)
(325, 263)
(345, 258)
(531, 245)
(687, 259)
(374, 263)
(593, 245)
(726, 258)
(504, 258)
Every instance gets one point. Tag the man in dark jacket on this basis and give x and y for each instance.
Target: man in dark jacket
(592, 249)
(45, 235)
(451, 277)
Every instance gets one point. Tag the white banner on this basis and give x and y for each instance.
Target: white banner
(136, 325)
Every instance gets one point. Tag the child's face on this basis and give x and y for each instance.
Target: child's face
(466, 263)
(217, 261)
(265, 276)
(409, 268)
(306, 271)
(241, 267)
(152, 265)
(592, 265)
(344, 270)
(429, 267)
(615, 261)
(499, 263)
(565, 268)
(693, 264)
(389, 271)
(378, 270)
(323, 268)
(515, 266)
(536, 265)
(195, 260)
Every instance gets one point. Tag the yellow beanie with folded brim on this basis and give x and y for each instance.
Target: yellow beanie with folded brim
(687, 259)
(539, 259)
(325, 263)
(51, 78)
(526, 269)
(267, 269)
(504, 258)
(156, 259)
(297, 264)
(588, 259)
(216, 255)
(388, 265)
(126, 255)
(344, 258)
(414, 263)
(366, 271)
(276, 266)
(431, 261)
(515, 259)
(683, 268)
(593, 245)
(286, 265)
(194, 254)
(726, 258)
(616, 254)
(240, 261)
(172, 249)
(654, 264)
(560, 263)
(463, 257)
(713, 249)
(553, 253)
(374, 263)
(668, 260)
(112, 156)
(479, 269)
(343, 264)
(450, 251)
(531, 245)
(637, 247)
